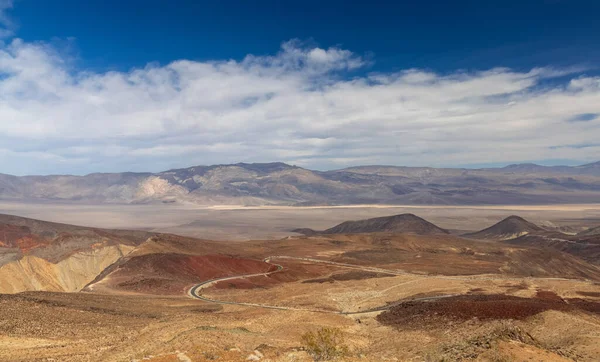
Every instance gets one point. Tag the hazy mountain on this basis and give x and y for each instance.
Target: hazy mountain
(587, 169)
(590, 231)
(279, 183)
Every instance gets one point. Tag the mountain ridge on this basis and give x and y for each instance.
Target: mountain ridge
(287, 165)
(278, 183)
(590, 232)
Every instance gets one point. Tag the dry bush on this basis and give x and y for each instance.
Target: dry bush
(481, 346)
(562, 344)
(325, 344)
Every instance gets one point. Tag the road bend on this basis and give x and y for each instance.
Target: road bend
(196, 290)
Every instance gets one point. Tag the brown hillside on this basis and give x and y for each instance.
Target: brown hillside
(510, 228)
(39, 255)
(403, 223)
(174, 273)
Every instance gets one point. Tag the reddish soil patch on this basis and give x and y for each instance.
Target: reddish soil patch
(590, 294)
(292, 272)
(172, 273)
(253, 283)
(548, 295)
(10, 233)
(586, 305)
(14, 236)
(483, 307)
(30, 242)
(353, 275)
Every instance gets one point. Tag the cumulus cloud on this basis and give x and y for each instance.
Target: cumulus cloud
(303, 105)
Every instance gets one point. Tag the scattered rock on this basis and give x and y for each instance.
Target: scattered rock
(182, 357)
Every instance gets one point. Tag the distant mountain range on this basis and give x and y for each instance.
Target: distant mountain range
(283, 184)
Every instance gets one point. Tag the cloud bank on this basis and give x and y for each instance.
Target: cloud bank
(304, 105)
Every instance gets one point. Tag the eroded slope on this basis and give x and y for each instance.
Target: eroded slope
(38, 255)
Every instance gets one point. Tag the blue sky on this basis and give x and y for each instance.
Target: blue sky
(440, 35)
(149, 85)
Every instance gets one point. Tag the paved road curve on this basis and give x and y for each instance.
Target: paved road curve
(196, 290)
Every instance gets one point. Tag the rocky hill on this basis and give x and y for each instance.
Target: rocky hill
(518, 231)
(403, 223)
(510, 228)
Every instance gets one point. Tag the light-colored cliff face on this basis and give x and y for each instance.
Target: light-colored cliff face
(155, 187)
(71, 274)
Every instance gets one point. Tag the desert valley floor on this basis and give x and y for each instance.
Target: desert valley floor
(182, 283)
(229, 222)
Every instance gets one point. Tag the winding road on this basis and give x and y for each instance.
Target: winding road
(195, 291)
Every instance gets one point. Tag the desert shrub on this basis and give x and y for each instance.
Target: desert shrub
(325, 344)
(481, 347)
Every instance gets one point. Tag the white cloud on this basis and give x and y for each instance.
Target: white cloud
(293, 106)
